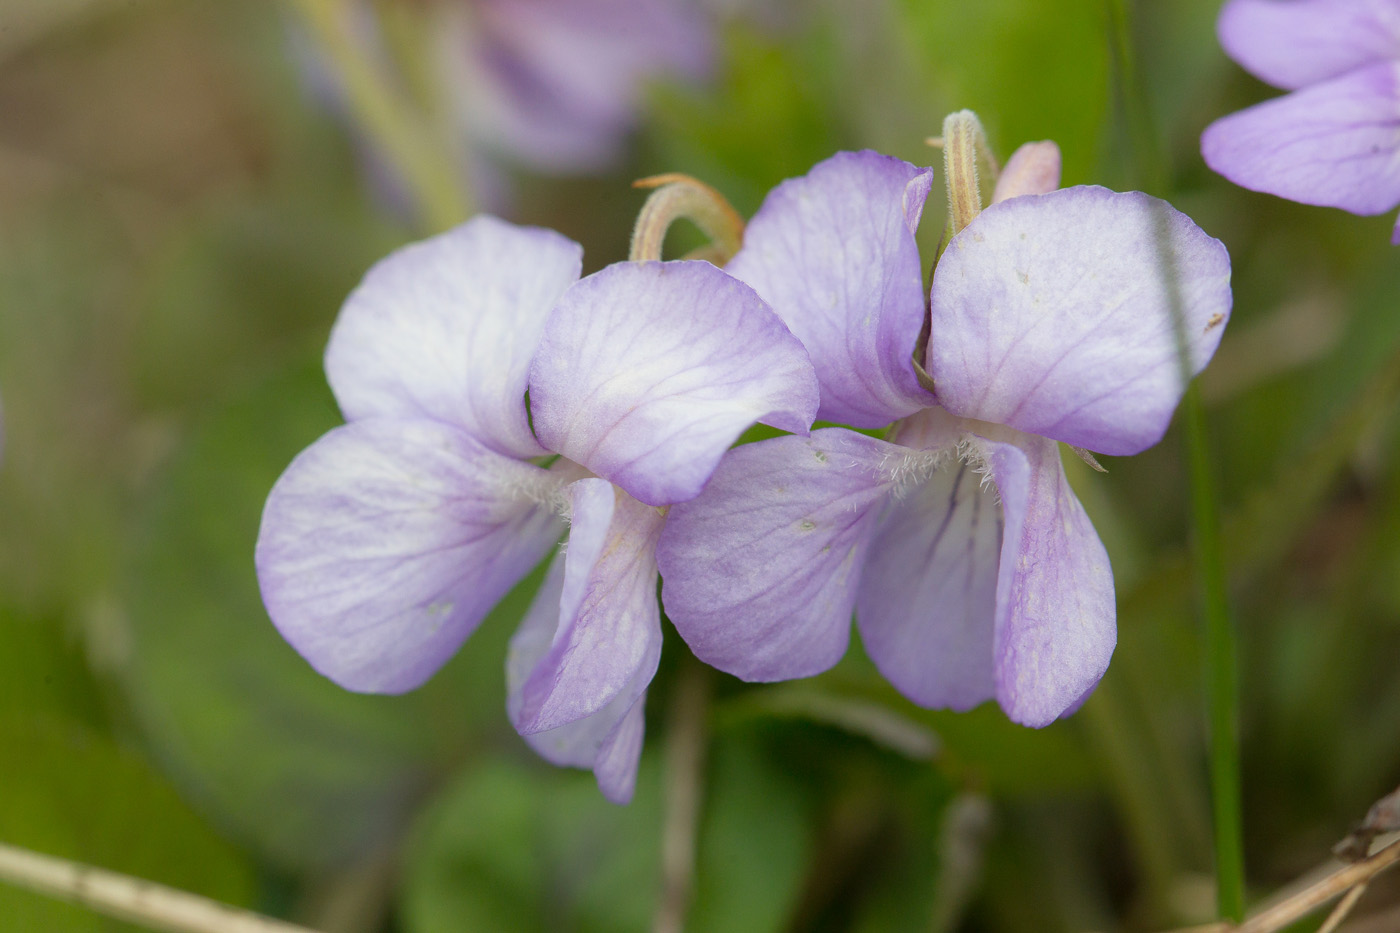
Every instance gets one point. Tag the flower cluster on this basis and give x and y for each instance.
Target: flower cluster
(495, 401)
(1334, 141)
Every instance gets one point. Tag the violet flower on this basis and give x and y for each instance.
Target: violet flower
(558, 86)
(386, 542)
(971, 567)
(1335, 140)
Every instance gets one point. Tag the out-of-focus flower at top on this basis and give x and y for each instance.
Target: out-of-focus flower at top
(464, 86)
(971, 567)
(387, 541)
(1335, 140)
(557, 86)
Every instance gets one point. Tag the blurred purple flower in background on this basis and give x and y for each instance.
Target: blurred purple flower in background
(557, 86)
(1335, 140)
(386, 542)
(972, 569)
(479, 85)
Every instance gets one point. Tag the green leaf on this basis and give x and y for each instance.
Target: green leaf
(66, 790)
(1030, 70)
(529, 848)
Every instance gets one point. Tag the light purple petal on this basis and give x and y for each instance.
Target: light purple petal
(649, 371)
(446, 328)
(385, 543)
(1055, 615)
(1292, 43)
(1052, 314)
(608, 741)
(1034, 168)
(606, 641)
(928, 596)
(834, 253)
(1335, 144)
(759, 572)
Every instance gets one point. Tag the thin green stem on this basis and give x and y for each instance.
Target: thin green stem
(1222, 679)
(420, 159)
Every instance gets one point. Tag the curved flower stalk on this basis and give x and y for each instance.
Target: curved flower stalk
(387, 541)
(971, 567)
(1334, 141)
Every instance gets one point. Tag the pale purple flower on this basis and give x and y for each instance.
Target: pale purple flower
(971, 567)
(558, 85)
(1335, 140)
(387, 541)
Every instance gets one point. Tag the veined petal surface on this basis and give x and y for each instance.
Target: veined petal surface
(606, 641)
(1292, 43)
(1054, 314)
(759, 572)
(609, 742)
(649, 371)
(386, 542)
(927, 598)
(1055, 614)
(834, 253)
(1334, 144)
(446, 328)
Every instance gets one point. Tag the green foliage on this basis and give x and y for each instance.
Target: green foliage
(512, 846)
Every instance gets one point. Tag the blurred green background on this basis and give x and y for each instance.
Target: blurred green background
(181, 214)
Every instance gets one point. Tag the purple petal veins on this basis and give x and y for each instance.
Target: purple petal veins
(446, 328)
(387, 541)
(649, 371)
(607, 637)
(759, 573)
(1053, 314)
(929, 589)
(834, 253)
(609, 741)
(1055, 618)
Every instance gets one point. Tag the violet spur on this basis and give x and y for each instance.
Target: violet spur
(387, 541)
(1334, 141)
(971, 567)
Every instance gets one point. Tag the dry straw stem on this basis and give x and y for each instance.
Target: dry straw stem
(1350, 880)
(131, 899)
(685, 766)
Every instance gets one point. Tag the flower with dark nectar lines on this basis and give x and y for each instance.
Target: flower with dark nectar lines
(972, 569)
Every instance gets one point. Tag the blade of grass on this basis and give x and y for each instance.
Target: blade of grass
(1221, 677)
